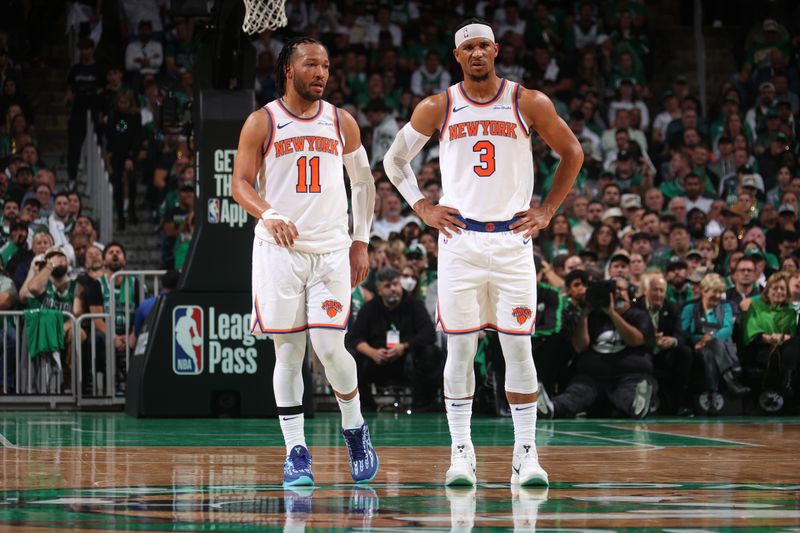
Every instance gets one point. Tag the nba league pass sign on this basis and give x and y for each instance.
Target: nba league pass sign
(231, 347)
(222, 208)
(187, 346)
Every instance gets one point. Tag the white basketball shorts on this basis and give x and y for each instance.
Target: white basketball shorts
(486, 281)
(294, 291)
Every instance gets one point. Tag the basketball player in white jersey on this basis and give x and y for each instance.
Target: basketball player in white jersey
(486, 272)
(288, 174)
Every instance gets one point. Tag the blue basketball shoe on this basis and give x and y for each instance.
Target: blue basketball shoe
(363, 459)
(297, 468)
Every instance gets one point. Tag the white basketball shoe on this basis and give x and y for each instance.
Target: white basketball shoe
(462, 466)
(525, 467)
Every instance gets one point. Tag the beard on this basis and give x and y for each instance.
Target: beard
(304, 92)
(478, 79)
(392, 299)
(115, 267)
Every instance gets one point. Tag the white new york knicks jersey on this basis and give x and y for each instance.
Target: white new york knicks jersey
(302, 177)
(485, 155)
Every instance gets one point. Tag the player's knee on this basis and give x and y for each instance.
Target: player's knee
(286, 361)
(521, 377)
(461, 349)
(329, 346)
(520, 371)
(290, 351)
(335, 357)
(516, 348)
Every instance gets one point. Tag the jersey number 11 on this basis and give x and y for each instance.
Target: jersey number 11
(303, 186)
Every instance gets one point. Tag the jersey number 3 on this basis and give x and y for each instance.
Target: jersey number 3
(303, 185)
(486, 149)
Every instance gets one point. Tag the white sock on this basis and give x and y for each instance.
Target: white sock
(524, 417)
(459, 415)
(351, 412)
(292, 428)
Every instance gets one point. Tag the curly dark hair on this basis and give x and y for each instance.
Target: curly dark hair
(285, 58)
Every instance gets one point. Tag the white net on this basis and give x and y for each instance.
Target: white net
(263, 15)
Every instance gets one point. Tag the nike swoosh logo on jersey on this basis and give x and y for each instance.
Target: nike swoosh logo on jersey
(524, 408)
(457, 109)
(526, 241)
(281, 126)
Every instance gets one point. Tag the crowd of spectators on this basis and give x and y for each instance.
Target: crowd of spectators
(689, 212)
(57, 268)
(52, 260)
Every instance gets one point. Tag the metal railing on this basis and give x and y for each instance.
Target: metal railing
(38, 380)
(100, 382)
(101, 197)
(141, 276)
(97, 369)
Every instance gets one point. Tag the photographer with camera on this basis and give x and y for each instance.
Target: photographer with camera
(613, 341)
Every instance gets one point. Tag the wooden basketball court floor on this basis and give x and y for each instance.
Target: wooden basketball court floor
(106, 471)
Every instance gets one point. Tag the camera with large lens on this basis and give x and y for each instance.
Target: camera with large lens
(598, 294)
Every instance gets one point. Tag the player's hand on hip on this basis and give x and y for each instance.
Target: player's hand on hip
(284, 233)
(359, 263)
(534, 219)
(440, 217)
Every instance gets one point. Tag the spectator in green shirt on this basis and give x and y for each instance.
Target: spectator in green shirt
(760, 49)
(770, 338)
(679, 291)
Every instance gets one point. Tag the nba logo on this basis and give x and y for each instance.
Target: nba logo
(213, 210)
(187, 340)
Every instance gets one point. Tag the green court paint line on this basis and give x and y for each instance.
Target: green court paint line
(34, 429)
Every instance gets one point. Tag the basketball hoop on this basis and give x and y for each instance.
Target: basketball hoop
(263, 15)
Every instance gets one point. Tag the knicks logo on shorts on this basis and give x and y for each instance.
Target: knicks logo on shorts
(332, 307)
(522, 314)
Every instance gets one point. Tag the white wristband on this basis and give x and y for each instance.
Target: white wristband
(271, 214)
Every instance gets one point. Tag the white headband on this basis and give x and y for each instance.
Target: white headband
(473, 31)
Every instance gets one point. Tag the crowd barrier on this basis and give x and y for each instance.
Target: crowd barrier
(88, 371)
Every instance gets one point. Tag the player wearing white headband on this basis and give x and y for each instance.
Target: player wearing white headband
(487, 278)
